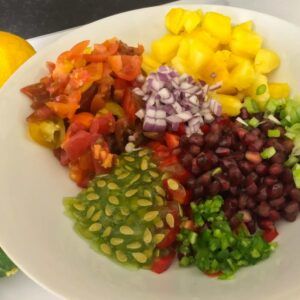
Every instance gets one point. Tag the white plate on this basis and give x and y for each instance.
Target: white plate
(40, 239)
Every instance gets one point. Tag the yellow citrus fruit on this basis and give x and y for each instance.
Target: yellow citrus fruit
(14, 51)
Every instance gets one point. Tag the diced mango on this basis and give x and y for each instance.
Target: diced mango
(205, 37)
(184, 48)
(175, 19)
(231, 105)
(242, 75)
(149, 63)
(218, 25)
(199, 55)
(279, 90)
(179, 64)
(192, 19)
(245, 42)
(165, 48)
(266, 61)
(246, 25)
(259, 90)
(227, 88)
(216, 69)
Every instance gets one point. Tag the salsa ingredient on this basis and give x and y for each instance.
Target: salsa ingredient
(84, 109)
(171, 99)
(246, 167)
(125, 214)
(208, 47)
(214, 247)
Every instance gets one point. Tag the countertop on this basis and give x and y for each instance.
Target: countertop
(32, 18)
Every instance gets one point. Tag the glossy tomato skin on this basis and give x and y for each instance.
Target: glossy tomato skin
(103, 124)
(161, 264)
(172, 140)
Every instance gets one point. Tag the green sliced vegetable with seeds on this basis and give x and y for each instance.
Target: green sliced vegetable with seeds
(123, 215)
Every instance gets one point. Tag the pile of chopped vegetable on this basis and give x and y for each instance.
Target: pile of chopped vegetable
(185, 150)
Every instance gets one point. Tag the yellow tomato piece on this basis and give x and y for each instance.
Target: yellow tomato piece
(165, 48)
(205, 37)
(231, 105)
(175, 19)
(246, 25)
(259, 90)
(218, 25)
(266, 61)
(112, 107)
(47, 133)
(192, 19)
(245, 42)
(243, 75)
(279, 90)
(149, 63)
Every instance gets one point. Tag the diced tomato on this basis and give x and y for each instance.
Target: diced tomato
(63, 110)
(41, 114)
(176, 170)
(37, 93)
(84, 119)
(79, 48)
(172, 140)
(214, 275)
(130, 106)
(126, 67)
(97, 103)
(189, 224)
(181, 129)
(161, 264)
(160, 151)
(104, 124)
(176, 191)
(270, 234)
(77, 144)
(205, 128)
(169, 239)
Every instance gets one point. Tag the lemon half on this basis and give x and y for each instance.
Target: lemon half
(14, 51)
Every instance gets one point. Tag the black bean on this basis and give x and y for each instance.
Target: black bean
(295, 195)
(261, 169)
(186, 160)
(184, 141)
(287, 175)
(263, 209)
(291, 211)
(277, 203)
(196, 139)
(196, 169)
(246, 167)
(212, 139)
(251, 189)
(244, 113)
(222, 151)
(204, 179)
(214, 188)
(275, 191)
(194, 150)
(262, 194)
(275, 169)
(269, 180)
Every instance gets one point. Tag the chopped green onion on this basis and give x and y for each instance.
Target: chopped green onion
(268, 153)
(273, 133)
(185, 261)
(296, 175)
(240, 120)
(216, 171)
(253, 122)
(255, 253)
(251, 105)
(274, 120)
(193, 237)
(261, 89)
(274, 104)
(292, 160)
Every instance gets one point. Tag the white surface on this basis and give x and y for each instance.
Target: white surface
(20, 287)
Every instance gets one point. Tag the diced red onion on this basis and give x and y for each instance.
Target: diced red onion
(215, 86)
(140, 114)
(176, 99)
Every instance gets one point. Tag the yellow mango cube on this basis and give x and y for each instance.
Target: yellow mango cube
(242, 75)
(259, 90)
(179, 64)
(227, 88)
(216, 69)
(165, 48)
(246, 25)
(192, 19)
(266, 61)
(218, 25)
(205, 37)
(245, 43)
(149, 63)
(175, 19)
(231, 105)
(279, 90)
